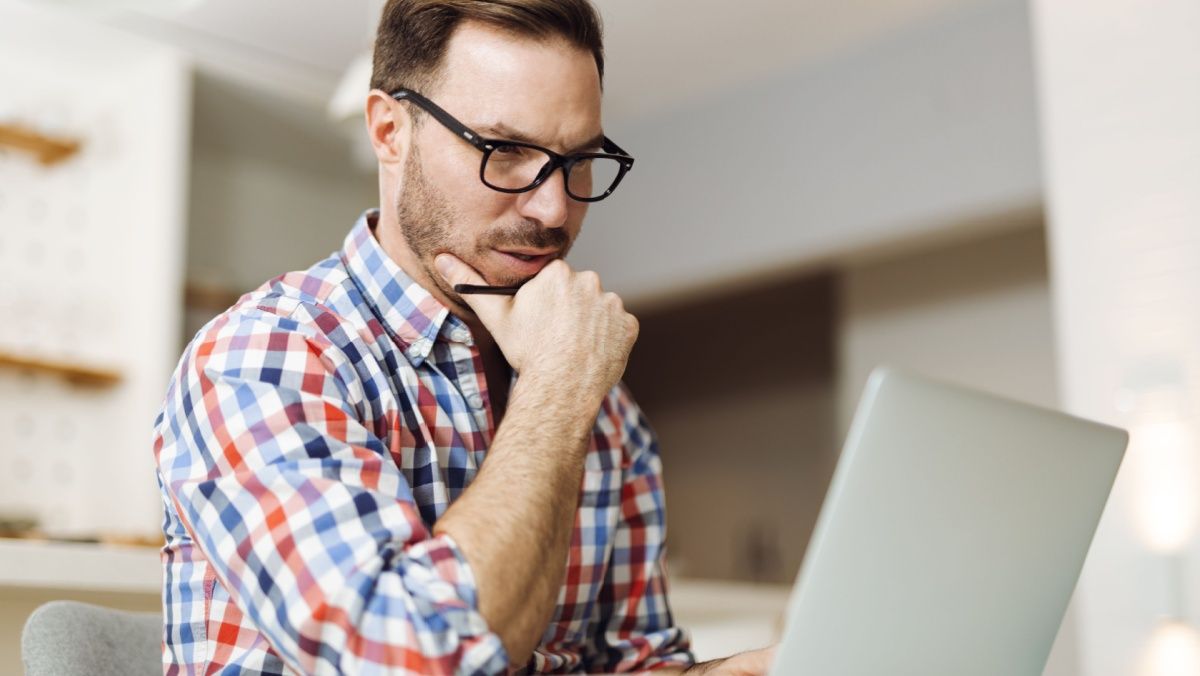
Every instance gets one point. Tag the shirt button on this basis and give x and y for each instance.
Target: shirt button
(475, 401)
(459, 335)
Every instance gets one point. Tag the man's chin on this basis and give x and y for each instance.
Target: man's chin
(497, 278)
(490, 277)
(500, 275)
(506, 281)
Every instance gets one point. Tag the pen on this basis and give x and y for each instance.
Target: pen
(480, 288)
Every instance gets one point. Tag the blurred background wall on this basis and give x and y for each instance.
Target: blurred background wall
(820, 187)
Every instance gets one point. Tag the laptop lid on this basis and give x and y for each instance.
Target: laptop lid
(951, 537)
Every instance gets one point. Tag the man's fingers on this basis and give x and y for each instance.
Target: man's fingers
(761, 660)
(454, 271)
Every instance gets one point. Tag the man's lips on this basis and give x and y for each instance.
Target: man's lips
(524, 263)
(526, 252)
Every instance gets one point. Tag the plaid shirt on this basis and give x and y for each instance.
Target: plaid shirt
(311, 436)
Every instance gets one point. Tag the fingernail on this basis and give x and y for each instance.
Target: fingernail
(444, 265)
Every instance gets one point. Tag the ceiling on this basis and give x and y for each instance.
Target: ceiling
(661, 54)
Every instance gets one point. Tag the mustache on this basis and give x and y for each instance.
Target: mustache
(526, 234)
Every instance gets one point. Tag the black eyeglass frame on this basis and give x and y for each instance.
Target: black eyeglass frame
(489, 145)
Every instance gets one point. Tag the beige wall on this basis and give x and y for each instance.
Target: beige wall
(273, 189)
(976, 313)
(908, 136)
(740, 391)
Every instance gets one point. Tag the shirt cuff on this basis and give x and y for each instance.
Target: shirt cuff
(450, 590)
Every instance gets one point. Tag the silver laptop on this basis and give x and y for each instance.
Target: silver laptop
(951, 537)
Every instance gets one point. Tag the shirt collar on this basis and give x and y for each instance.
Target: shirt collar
(407, 309)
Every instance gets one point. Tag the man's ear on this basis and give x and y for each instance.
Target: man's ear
(388, 127)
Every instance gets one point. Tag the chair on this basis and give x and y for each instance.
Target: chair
(68, 638)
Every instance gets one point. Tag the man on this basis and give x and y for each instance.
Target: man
(364, 470)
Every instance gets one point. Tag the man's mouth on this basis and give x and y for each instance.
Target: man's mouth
(526, 254)
(526, 262)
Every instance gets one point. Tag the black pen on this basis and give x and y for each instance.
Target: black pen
(483, 289)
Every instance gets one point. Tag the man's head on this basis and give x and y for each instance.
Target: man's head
(520, 70)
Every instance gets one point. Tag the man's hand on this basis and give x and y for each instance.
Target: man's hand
(750, 663)
(560, 324)
(569, 341)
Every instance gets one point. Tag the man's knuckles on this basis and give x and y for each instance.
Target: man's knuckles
(589, 281)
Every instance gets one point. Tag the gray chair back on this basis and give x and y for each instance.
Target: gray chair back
(67, 638)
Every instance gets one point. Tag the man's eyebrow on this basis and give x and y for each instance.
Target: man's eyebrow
(507, 133)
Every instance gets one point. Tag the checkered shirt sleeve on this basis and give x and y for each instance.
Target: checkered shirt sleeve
(636, 630)
(293, 503)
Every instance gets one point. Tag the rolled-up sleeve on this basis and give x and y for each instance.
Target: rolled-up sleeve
(636, 629)
(303, 514)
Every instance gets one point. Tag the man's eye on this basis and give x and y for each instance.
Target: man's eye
(507, 150)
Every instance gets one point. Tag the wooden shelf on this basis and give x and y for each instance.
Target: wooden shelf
(46, 149)
(88, 567)
(81, 374)
(212, 297)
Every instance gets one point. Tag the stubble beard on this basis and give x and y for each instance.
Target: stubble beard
(427, 218)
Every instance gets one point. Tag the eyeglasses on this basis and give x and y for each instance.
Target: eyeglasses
(513, 166)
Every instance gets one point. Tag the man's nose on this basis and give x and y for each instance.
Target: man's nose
(547, 203)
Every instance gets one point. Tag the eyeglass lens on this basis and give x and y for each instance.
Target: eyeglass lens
(511, 167)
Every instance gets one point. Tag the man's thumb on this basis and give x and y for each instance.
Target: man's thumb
(455, 271)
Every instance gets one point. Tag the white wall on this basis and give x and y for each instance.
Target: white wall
(921, 132)
(1120, 107)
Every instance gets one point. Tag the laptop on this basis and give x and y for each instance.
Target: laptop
(951, 537)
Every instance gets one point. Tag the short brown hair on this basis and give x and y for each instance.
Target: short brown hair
(413, 34)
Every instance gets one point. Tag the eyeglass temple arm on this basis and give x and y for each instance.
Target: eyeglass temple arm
(441, 116)
(465, 131)
(610, 147)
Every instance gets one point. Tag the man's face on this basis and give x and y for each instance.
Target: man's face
(510, 88)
